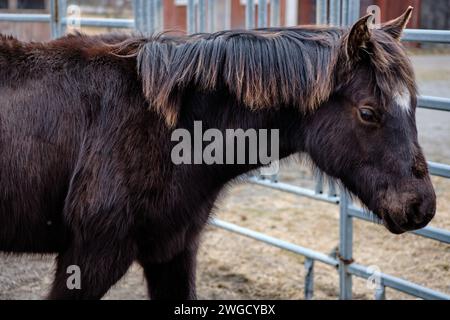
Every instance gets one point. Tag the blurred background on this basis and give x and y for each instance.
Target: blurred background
(231, 266)
(428, 14)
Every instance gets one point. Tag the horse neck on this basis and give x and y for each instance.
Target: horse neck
(220, 111)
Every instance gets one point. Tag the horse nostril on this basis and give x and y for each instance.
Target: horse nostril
(414, 215)
(419, 214)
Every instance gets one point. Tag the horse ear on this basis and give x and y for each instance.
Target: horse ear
(395, 27)
(359, 36)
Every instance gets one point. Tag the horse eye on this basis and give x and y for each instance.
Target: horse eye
(368, 115)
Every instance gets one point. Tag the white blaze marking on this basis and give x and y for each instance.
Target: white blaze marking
(403, 99)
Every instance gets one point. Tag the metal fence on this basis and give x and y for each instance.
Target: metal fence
(148, 17)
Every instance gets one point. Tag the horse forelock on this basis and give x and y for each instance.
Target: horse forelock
(393, 71)
(392, 75)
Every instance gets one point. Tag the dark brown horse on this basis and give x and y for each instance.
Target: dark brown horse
(85, 139)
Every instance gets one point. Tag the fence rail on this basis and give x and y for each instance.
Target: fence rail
(422, 35)
(435, 103)
(148, 18)
(29, 17)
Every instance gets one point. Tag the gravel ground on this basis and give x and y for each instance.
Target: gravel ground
(234, 267)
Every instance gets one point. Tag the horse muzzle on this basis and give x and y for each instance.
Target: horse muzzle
(409, 211)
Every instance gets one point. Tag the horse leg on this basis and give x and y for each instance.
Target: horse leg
(100, 266)
(173, 279)
(98, 216)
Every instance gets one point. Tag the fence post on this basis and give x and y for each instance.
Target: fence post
(262, 13)
(353, 11)
(344, 15)
(190, 12)
(275, 13)
(380, 292)
(345, 246)
(62, 13)
(201, 15)
(321, 11)
(250, 14)
(54, 19)
(309, 279)
(138, 10)
(331, 187)
(144, 13)
(335, 13)
(349, 13)
(150, 16)
(159, 15)
(319, 183)
(227, 14)
(211, 16)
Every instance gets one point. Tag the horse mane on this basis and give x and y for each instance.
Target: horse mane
(261, 68)
(264, 68)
